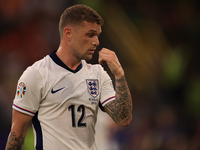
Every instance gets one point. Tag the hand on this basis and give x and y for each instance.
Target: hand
(112, 61)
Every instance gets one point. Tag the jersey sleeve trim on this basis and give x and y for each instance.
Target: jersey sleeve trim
(107, 100)
(23, 110)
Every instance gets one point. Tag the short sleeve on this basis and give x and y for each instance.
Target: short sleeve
(107, 90)
(28, 92)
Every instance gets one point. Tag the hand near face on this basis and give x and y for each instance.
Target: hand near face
(112, 61)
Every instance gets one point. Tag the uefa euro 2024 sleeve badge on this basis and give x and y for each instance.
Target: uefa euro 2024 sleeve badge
(93, 87)
(21, 89)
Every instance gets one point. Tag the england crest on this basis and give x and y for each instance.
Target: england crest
(93, 87)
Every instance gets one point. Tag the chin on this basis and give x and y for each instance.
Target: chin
(88, 57)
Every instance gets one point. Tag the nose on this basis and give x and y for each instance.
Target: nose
(96, 41)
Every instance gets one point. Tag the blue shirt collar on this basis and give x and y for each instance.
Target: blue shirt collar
(57, 60)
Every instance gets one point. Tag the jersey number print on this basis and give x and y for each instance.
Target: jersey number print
(81, 109)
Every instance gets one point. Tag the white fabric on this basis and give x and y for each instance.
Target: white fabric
(57, 98)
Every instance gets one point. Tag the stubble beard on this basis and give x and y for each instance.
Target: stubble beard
(84, 56)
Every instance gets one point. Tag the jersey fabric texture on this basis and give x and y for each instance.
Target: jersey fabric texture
(63, 102)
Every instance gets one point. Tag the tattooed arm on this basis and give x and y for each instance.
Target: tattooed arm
(20, 123)
(120, 109)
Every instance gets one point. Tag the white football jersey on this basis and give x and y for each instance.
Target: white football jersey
(63, 102)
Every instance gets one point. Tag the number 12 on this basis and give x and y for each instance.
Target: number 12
(81, 108)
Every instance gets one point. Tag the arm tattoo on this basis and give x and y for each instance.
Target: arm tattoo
(14, 142)
(121, 108)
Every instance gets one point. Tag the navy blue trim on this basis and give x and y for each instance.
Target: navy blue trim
(57, 60)
(38, 130)
(101, 107)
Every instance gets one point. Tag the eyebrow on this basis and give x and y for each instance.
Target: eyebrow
(95, 31)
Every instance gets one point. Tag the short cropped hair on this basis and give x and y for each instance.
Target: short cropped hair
(76, 14)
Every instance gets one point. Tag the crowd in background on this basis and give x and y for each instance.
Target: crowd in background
(157, 43)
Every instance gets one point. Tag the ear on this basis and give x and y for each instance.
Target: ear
(67, 33)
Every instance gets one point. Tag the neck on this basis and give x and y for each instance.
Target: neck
(67, 58)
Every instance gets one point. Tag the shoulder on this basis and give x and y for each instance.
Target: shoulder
(41, 66)
(93, 67)
(42, 63)
(35, 71)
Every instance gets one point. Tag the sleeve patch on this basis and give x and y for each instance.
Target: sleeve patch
(21, 89)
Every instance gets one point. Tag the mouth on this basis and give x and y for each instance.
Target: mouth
(92, 50)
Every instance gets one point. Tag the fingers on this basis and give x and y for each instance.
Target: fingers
(108, 56)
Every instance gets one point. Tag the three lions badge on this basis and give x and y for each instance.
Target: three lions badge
(93, 87)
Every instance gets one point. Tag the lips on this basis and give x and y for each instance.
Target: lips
(92, 50)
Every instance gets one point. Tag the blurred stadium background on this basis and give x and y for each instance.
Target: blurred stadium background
(157, 42)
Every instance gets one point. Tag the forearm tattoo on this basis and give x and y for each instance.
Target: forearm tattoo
(121, 108)
(14, 142)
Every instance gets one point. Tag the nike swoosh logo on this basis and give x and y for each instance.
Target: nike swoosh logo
(53, 92)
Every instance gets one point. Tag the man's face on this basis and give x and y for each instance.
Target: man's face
(84, 40)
